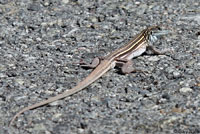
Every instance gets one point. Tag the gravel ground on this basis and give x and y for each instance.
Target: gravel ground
(41, 42)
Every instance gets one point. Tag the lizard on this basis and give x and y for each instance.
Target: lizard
(120, 57)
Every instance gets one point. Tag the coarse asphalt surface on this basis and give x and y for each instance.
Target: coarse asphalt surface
(42, 42)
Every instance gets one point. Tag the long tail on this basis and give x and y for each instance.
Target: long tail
(97, 73)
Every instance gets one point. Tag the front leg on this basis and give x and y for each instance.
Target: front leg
(158, 52)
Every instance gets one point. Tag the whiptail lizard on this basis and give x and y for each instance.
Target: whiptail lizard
(121, 56)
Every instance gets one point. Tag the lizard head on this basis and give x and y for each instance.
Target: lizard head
(154, 32)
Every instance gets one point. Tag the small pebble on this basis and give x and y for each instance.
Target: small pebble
(185, 89)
